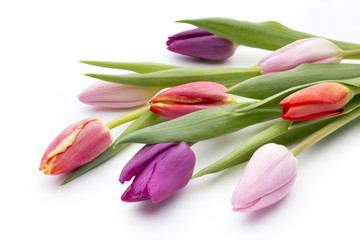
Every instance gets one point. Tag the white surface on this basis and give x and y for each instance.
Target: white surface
(40, 44)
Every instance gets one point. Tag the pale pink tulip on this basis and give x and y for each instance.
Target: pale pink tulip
(308, 50)
(113, 95)
(267, 178)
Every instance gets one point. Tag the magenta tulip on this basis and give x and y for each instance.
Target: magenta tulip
(308, 50)
(160, 170)
(75, 146)
(201, 44)
(113, 95)
(319, 100)
(187, 98)
(268, 177)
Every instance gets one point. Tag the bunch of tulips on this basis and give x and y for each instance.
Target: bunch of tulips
(301, 83)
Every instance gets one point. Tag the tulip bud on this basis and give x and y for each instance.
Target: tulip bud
(113, 95)
(160, 170)
(201, 44)
(187, 98)
(308, 50)
(267, 178)
(319, 100)
(75, 146)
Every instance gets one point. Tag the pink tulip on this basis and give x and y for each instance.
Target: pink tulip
(187, 98)
(113, 95)
(75, 146)
(308, 50)
(319, 100)
(267, 178)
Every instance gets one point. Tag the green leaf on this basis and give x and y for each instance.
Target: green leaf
(139, 67)
(268, 35)
(178, 76)
(202, 125)
(279, 133)
(273, 101)
(261, 87)
(144, 120)
(283, 132)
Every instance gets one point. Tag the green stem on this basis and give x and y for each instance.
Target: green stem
(350, 53)
(323, 132)
(127, 117)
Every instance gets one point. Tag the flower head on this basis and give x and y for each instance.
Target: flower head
(160, 170)
(75, 146)
(319, 100)
(267, 178)
(308, 50)
(201, 44)
(114, 95)
(187, 98)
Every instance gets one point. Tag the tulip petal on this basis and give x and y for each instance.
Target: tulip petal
(269, 170)
(266, 200)
(327, 92)
(172, 172)
(83, 148)
(197, 32)
(173, 110)
(142, 158)
(62, 142)
(113, 95)
(209, 47)
(284, 49)
(310, 50)
(194, 92)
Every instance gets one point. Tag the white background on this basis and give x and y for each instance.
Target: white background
(40, 45)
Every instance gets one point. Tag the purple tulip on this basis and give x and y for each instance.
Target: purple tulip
(113, 95)
(201, 44)
(308, 50)
(160, 170)
(268, 177)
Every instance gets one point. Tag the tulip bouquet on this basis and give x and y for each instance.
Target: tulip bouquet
(302, 85)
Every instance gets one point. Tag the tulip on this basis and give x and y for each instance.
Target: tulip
(267, 178)
(319, 100)
(308, 50)
(201, 44)
(75, 146)
(187, 98)
(160, 170)
(113, 95)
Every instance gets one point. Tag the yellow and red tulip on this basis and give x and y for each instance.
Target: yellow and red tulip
(187, 98)
(75, 146)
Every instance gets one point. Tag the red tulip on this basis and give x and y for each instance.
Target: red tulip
(75, 146)
(187, 98)
(319, 100)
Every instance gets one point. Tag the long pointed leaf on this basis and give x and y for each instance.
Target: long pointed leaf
(202, 125)
(139, 67)
(268, 35)
(178, 76)
(264, 86)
